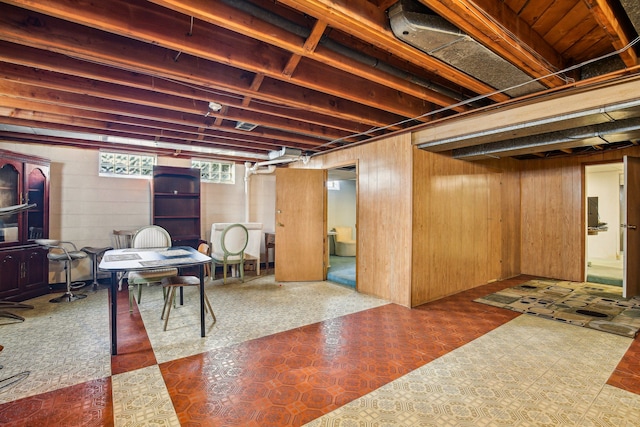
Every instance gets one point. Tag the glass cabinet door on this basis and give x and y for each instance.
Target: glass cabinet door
(36, 193)
(9, 196)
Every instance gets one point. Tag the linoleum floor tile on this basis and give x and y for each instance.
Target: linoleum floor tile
(87, 404)
(58, 344)
(453, 391)
(134, 348)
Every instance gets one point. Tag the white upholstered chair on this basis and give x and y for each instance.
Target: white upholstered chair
(253, 249)
(151, 236)
(229, 250)
(345, 245)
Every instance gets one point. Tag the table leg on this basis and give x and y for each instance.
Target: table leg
(114, 312)
(202, 334)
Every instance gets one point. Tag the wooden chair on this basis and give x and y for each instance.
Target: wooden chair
(205, 249)
(174, 282)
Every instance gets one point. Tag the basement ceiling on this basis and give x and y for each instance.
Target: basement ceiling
(314, 75)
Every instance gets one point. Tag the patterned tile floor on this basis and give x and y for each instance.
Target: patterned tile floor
(316, 354)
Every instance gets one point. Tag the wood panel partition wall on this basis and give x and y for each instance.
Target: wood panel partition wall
(457, 232)
(553, 219)
(383, 214)
(510, 214)
(553, 216)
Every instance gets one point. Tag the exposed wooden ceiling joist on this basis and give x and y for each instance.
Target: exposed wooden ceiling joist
(311, 74)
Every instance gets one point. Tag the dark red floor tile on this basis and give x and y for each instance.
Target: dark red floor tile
(627, 375)
(87, 404)
(625, 380)
(312, 370)
(134, 347)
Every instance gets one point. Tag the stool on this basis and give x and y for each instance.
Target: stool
(11, 305)
(66, 253)
(94, 253)
(174, 282)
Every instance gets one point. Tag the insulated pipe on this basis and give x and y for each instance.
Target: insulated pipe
(248, 171)
(303, 32)
(440, 145)
(550, 139)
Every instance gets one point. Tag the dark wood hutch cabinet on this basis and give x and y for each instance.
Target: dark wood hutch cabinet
(176, 203)
(24, 267)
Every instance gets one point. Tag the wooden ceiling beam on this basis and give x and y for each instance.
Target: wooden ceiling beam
(89, 102)
(605, 16)
(365, 21)
(306, 122)
(156, 63)
(310, 45)
(176, 123)
(146, 134)
(11, 53)
(14, 137)
(218, 13)
(154, 25)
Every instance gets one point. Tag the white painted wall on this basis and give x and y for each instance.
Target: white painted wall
(341, 208)
(605, 185)
(85, 208)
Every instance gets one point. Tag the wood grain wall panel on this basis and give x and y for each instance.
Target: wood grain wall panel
(425, 221)
(456, 245)
(511, 225)
(384, 228)
(553, 214)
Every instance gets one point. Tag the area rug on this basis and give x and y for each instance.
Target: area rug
(591, 305)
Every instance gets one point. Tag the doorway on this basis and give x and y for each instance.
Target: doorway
(342, 212)
(605, 213)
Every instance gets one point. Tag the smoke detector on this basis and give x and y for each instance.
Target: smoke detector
(214, 106)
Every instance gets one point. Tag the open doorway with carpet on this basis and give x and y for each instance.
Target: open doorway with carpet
(341, 213)
(604, 238)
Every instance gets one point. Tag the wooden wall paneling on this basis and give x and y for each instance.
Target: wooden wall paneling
(384, 222)
(553, 241)
(553, 203)
(456, 247)
(510, 220)
(531, 227)
(494, 230)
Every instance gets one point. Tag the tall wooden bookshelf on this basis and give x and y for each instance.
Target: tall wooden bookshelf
(176, 203)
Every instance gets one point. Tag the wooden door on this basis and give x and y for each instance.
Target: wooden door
(631, 283)
(300, 225)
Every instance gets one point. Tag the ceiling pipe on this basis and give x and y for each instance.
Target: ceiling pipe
(576, 137)
(341, 49)
(440, 145)
(249, 170)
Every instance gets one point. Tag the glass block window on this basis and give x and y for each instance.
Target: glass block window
(216, 172)
(126, 164)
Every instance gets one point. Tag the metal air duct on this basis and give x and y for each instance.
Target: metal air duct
(632, 7)
(436, 37)
(602, 133)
